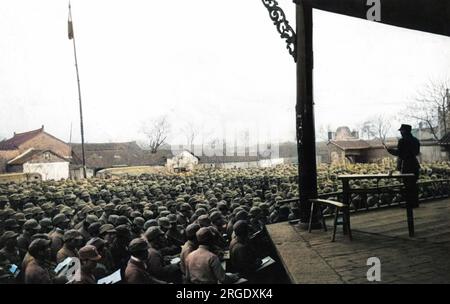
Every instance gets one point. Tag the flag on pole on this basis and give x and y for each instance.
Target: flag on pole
(69, 24)
(70, 30)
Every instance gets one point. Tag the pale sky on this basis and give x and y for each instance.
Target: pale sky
(209, 62)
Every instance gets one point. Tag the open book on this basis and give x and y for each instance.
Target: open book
(69, 268)
(267, 261)
(240, 281)
(14, 270)
(256, 234)
(111, 279)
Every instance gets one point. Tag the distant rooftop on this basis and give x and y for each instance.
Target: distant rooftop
(29, 154)
(18, 139)
(360, 144)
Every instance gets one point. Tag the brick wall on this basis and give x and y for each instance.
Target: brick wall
(337, 155)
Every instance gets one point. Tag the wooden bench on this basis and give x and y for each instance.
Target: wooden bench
(339, 207)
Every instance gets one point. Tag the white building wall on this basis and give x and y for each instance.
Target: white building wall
(78, 173)
(267, 163)
(431, 154)
(264, 163)
(56, 171)
(183, 160)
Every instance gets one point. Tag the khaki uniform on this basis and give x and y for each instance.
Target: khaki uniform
(64, 253)
(86, 278)
(35, 273)
(56, 236)
(230, 229)
(203, 267)
(187, 248)
(158, 269)
(242, 257)
(26, 260)
(136, 273)
(155, 263)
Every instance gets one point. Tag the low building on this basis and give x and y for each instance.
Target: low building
(182, 162)
(431, 150)
(47, 163)
(101, 156)
(322, 155)
(346, 146)
(40, 152)
(36, 151)
(358, 150)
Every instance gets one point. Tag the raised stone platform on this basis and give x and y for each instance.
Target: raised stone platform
(425, 258)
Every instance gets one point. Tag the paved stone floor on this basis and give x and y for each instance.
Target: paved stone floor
(424, 258)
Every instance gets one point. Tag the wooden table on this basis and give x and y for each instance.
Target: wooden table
(409, 182)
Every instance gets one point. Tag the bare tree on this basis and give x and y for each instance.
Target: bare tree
(190, 132)
(156, 132)
(367, 129)
(431, 107)
(208, 137)
(376, 127)
(382, 127)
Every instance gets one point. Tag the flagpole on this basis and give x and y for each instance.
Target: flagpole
(72, 36)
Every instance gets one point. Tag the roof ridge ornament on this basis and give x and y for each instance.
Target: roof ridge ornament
(286, 31)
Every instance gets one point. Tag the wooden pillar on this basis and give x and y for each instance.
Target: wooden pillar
(306, 142)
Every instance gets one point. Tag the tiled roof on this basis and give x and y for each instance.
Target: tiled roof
(356, 144)
(28, 155)
(108, 155)
(377, 143)
(360, 144)
(18, 139)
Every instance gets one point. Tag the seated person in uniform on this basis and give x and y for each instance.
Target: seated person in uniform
(136, 271)
(202, 265)
(243, 258)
